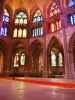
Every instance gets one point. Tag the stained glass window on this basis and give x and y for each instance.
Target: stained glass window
(4, 31)
(71, 3)
(16, 60)
(52, 27)
(37, 16)
(15, 33)
(60, 59)
(20, 33)
(24, 33)
(37, 31)
(6, 16)
(54, 9)
(21, 18)
(55, 26)
(72, 19)
(53, 59)
(22, 61)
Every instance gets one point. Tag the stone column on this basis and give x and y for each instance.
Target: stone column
(45, 67)
(2, 6)
(8, 58)
(45, 71)
(68, 69)
(30, 61)
(71, 64)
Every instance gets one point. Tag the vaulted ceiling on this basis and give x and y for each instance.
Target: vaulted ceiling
(27, 4)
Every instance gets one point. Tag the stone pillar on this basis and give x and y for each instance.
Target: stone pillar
(71, 64)
(8, 59)
(45, 71)
(30, 62)
(2, 6)
(68, 73)
(45, 67)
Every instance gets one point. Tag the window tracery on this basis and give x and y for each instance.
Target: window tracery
(20, 30)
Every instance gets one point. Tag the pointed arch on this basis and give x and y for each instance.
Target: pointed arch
(54, 40)
(48, 4)
(71, 3)
(37, 17)
(6, 17)
(20, 20)
(53, 9)
(71, 41)
(55, 57)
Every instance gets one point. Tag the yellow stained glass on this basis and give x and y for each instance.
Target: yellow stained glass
(20, 33)
(21, 21)
(16, 21)
(15, 33)
(52, 27)
(24, 33)
(25, 21)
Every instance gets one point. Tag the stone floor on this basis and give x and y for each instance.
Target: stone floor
(15, 90)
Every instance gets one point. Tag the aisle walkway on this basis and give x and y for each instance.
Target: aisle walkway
(17, 90)
(68, 83)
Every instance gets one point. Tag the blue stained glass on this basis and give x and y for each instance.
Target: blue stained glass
(4, 31)
(74, 18)
(34, 20)
(21, 15)
(6, 16)
(41, 18)
(22, 59)
(37, 16)
(38, 19)
(35, 32)
(71, 3)
(41, 30)
(71, 18)
(60, 60)
(6, 19)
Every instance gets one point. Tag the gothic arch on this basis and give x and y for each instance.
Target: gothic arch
(36, 56)
(3, 56)
(53, 39)
(35, 41)
(71, 41)
(32, 12)
(9, 10)
(21, 9)
(56, 47)
(16, 43)
(71, 53)
(48, 5)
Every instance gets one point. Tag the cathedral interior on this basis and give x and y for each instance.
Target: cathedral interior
(37, 38)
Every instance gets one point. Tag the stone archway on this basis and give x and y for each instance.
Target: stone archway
(3, 61)
(71, 56)
(55, 55)
(18, 60)
(36, 59)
